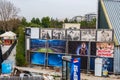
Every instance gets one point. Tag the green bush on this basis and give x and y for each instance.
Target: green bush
(20, 48)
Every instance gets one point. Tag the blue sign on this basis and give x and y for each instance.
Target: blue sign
(75, 69)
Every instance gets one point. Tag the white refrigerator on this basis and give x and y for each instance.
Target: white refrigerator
(98, 67)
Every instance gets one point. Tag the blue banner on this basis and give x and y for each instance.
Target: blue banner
(75, 69)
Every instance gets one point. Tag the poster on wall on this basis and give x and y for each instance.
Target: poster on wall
(73, 35)
(58, 34)
(105, 49)
(107, 65)
(105, 35)
(37, 58)
(27, 31)
(46, 34)
(38, 45)
(78, 48)
(35, 33)
(88, 35)
(56, 46)
(55, 59)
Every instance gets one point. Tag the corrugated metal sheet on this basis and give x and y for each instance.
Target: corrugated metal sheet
(112, 8)
(117, 60)
(113, 11)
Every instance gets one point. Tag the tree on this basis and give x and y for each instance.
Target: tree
(33, 20)
(13, 24)
(37, 21)
(20, 49)
(88, 25)
(24, 22)
(66, 20)
(84, 25)
(7, 11)
(93, 23)
(46, 22)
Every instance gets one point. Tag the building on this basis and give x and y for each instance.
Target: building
(109, 18)
(78, 18)
(90, 17)
(71, 26)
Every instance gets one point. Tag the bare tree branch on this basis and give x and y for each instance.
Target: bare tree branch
(7, 12)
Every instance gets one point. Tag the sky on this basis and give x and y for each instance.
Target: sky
(54, 8)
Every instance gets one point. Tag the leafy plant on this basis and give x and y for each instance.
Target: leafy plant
(20, 48)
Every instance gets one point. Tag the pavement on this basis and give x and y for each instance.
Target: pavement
(84, 76)
(92, 77)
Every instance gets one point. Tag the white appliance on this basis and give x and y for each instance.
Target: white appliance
(98, 67)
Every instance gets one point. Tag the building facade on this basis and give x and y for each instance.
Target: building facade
(71, 26)
(90, 17)
(78, 18)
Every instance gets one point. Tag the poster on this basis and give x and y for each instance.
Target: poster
(105, 49)
(78, 47)
(88, 35)
(56, 46)
(38, 58)
(59, 34)
(55, 59)
(27, 31)
(35, 34)
(38, 45)
(73, 35)
(107, 65)
(105, 35)
(46, 33)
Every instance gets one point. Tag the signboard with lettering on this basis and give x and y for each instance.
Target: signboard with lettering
(105, 49)
(75, 69)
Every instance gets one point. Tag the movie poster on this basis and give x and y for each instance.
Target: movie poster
(73, 35)
(38, 45)
(38, 58)
(35, 34)
(59, 34)
(105, 35)
(56, 46)
(88, 35)
(105, 49)
(55, 59)
(46, 33)
(78, 48)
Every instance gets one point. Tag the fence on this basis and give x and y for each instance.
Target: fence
(7, 53)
